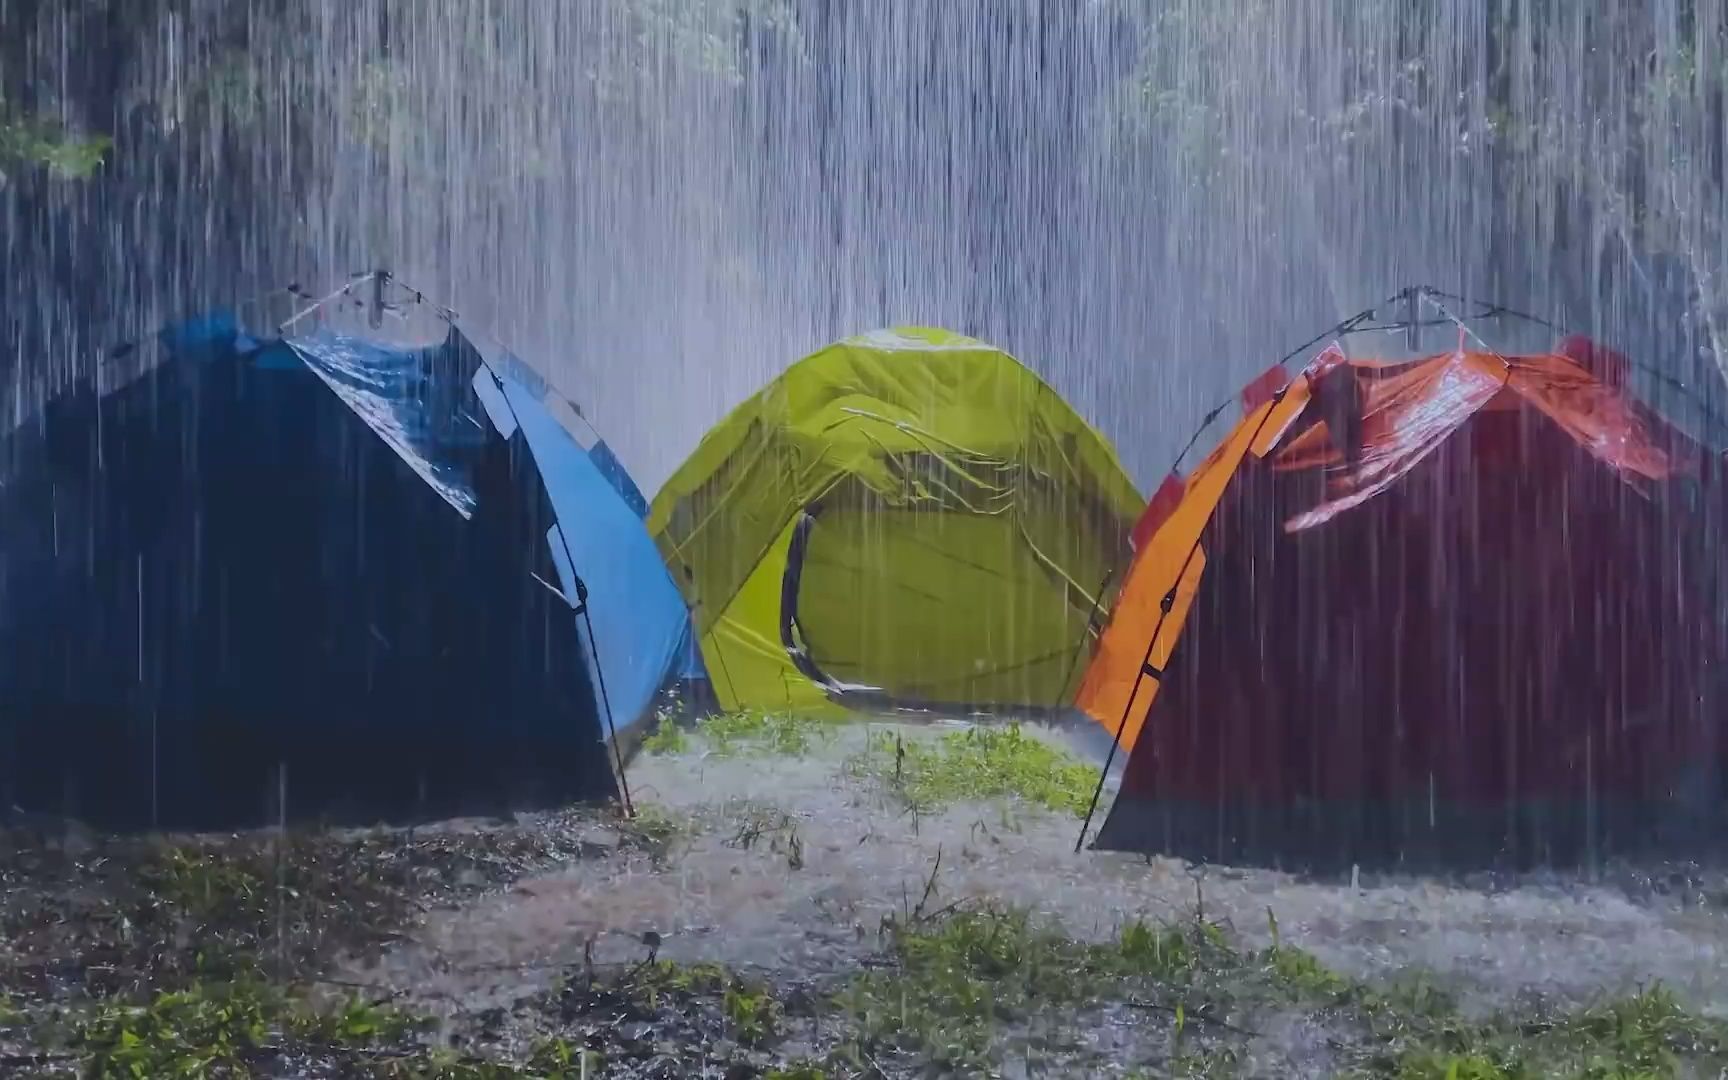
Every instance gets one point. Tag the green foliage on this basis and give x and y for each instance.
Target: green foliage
(195, 1032)
(751, 1012)
(1172, 954)
(1646, 1036)
(357, 1022)
(216, 1029)
(980, 763)
(1303, 975)
(40, 142)
(706, 38)
(956, 983)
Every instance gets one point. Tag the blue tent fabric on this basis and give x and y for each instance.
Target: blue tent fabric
(569, 417)
(638, 615)
(311, 568)
(529, 387)
(613, 470)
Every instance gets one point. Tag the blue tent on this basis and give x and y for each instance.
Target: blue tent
(642, 628)
(319, 577)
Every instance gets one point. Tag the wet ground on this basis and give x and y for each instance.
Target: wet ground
(788, 866)
(778, 901)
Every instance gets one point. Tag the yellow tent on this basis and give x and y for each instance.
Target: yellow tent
(907, 515)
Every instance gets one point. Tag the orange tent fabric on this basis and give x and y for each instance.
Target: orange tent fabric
(1403, 600)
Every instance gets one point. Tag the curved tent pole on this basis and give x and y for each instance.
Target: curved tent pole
(1354, 323)
(1165, 605)
(1361, 322)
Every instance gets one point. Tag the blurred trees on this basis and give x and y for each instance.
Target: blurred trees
(159, 155)
(1564, 156)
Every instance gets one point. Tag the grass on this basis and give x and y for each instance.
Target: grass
(959, 982)
(979, 763)
(754, 731)
(964, 992)
(245, 1028)
(744, 733)
(200, 959)
(1645, 1036)
(708, 1013)
(144, 958)
(668, 738)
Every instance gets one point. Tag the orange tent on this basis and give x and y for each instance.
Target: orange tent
(1445, 608)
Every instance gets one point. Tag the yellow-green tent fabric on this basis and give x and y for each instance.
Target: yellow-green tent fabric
(963, 531)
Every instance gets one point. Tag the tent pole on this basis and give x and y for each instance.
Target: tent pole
(380, 278)
(588, 621)
(600, 678)
(1165, 606)
(1091, 615)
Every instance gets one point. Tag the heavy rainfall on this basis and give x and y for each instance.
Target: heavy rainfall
(812, 539)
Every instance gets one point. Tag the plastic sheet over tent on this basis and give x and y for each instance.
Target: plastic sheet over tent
(1452, 610)
(908, 516)
(314, 577)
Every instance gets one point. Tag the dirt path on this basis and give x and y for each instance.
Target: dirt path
(788, 865)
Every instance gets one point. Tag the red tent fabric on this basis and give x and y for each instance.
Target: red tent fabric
(1451, 610)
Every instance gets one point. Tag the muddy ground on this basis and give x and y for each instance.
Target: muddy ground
(783, 907)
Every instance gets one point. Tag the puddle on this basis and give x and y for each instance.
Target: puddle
(792, 864)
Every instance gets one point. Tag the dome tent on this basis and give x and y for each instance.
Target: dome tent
(317, 577)
(1440, 610)
(908, 517)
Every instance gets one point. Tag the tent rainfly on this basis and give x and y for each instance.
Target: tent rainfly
(319, 577)
(1444, 611)
(908, 517)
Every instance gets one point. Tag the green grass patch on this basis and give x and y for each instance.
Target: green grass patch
(954, 988)
(957, 982)
(244, 1028)
(139, 958)
(757, 731)
(1645, 1036)
(668, 739)
(979, 763)
(688, 1006)
(224, 1029)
